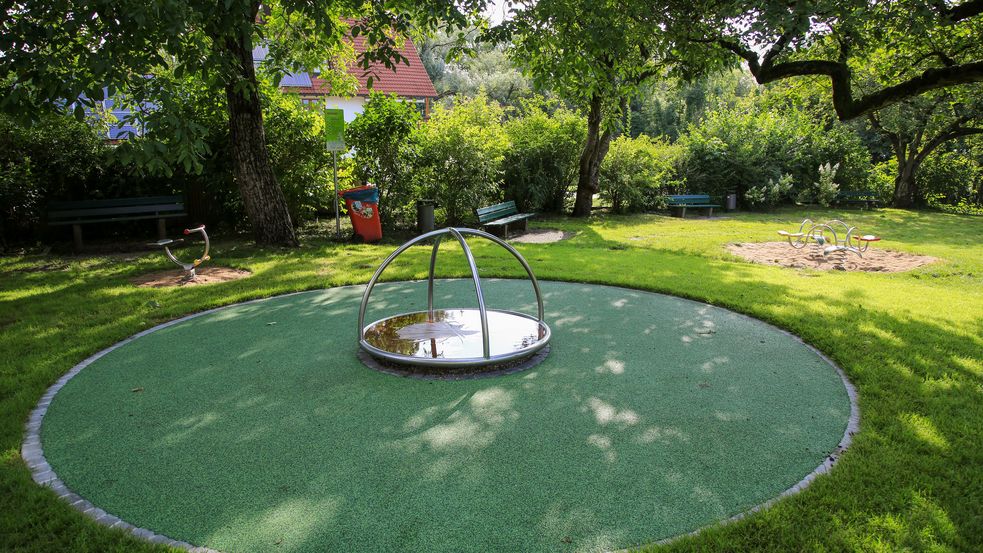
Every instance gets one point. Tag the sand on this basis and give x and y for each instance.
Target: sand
(811, 257)
(541, 236)
(175, 277)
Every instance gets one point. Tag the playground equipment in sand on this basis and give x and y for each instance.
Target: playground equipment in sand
(827, 240)
(189, 268)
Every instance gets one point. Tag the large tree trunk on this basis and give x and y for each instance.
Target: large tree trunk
(590, 160)
(905, 189)
(262, 196)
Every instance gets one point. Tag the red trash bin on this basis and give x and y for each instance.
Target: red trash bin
(363, 208)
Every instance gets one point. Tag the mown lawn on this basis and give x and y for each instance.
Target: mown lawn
(912, 343)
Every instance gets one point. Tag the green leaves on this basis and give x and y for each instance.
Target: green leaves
(541, 162)
(386, 143)
(462, 151)
(638, 172)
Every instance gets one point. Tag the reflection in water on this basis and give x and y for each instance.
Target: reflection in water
(453, 333)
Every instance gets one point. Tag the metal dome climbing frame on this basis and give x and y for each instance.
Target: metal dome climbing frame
(487, 330)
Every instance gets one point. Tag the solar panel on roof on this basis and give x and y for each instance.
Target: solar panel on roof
(259, 53)
(123, 132)
(296, 79)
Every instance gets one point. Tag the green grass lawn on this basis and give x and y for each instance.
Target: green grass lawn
(912, 343)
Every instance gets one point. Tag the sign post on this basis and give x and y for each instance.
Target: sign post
(334, 135)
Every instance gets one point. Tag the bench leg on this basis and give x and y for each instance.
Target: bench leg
(77, 237)
(709, 212)
(161, 228)
(682, 212)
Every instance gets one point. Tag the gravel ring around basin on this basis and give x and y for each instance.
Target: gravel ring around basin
(43, 473)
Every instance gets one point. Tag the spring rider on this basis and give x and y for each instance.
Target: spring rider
(189, 268)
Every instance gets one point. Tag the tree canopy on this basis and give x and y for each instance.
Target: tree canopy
(905, 47)
(63, 54)
(596, 55)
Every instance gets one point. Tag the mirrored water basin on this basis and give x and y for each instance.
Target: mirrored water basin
(453, 335)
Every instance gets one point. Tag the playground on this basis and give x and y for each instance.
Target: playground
(689, 399)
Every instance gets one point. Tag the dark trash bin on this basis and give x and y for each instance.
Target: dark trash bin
(424, 215)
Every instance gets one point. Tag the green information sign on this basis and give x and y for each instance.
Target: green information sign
(334, 130)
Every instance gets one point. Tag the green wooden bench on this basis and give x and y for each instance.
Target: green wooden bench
(83, 212)
(865, 198)
(678, 203)
(502, 215)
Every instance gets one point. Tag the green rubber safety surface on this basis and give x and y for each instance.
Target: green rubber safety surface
(256, 428)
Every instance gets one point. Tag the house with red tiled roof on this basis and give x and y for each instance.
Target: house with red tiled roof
(410, 82)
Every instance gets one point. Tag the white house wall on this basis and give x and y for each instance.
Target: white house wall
(351, 106)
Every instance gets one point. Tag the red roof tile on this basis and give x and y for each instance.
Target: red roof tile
(407, 80)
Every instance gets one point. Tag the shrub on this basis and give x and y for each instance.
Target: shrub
(461, 155)
(385, 152)
(295, 139)
(737, 150)
(541, 163)
(950, 178)
(769, 195)
(56, 158)
(636, 173)
(826, 187)
(881, 180)
(823, 191)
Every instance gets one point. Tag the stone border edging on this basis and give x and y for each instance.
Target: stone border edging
(44, 475)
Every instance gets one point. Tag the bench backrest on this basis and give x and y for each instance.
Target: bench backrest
(856, 194)
(689, 199)
(497, 211)
(119, 207)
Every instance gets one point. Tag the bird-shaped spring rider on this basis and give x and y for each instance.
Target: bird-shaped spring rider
(189, 268)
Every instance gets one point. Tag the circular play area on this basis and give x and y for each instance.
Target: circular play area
(256, 427)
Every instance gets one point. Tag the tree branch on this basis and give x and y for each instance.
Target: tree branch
(778, 47)
(876, 123)
(931, 145)
(956, 14)
(847, 107)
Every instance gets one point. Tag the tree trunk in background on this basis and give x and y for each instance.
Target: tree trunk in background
(590, 161)
(905, 188)
(262, 196)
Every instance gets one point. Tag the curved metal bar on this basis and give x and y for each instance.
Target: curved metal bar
(849, 237)
(821, 227)
(204, 235)
(433, 265)
(519, 258)
(845, 226)
(485, 345)
(378, 273)
(183, 265)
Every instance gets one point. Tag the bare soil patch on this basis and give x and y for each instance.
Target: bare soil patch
(541, 236)
(175, 277)
(811, 257)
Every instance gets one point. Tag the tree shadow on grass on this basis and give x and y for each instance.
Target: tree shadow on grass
(908, 480)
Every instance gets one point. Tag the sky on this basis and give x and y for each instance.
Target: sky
(496, 11)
